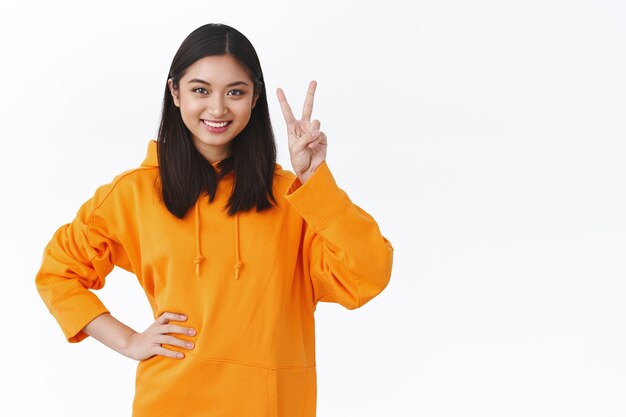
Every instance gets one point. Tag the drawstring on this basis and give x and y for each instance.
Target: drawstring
(238, 263)
(199, 258)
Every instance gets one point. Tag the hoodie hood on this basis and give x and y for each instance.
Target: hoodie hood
(151, 160)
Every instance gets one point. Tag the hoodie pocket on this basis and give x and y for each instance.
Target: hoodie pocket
(292, 392)
(198, 387)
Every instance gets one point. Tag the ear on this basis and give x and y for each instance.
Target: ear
(256, 97)
(174, 92)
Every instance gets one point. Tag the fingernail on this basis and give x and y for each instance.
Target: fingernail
(189, 344)
(191, 331)
(183, 317)
(180, 355)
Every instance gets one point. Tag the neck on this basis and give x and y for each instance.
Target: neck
(213, 153)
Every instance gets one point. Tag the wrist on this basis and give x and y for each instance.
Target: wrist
(126, 344)
(304, 177)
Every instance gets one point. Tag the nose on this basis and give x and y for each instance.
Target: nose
(217, 106)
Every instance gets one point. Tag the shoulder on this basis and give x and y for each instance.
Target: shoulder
(281, 174)
(127, 186)
(282, 179)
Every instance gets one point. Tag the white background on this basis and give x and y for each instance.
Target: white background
(487, 138)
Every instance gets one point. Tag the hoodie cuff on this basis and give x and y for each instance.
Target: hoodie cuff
(319, 199)
(74, 311)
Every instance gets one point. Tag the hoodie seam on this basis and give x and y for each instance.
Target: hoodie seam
(60, 297)
(355, 279)
(251, 364)
(330, 218)
(113, 184)
(116, 181)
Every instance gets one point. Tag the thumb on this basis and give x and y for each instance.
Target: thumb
(311, 137)
(305, 140)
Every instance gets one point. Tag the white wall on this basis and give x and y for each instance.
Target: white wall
(487, 138)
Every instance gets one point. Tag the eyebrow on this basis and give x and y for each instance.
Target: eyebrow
(197, 80)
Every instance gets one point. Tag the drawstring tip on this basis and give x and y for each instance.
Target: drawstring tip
(238, 266)
(197, 262)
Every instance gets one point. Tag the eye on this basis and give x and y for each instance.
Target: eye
(235, 93)
(204, 91)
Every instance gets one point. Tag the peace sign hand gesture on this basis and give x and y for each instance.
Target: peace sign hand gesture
(307, 144)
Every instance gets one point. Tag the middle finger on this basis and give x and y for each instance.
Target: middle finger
(308, 101)
(174, 341)
(173, 328)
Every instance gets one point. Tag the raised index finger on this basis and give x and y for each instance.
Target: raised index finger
(284, 106)
(308, 101)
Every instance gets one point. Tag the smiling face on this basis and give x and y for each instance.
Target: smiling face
(216, 98)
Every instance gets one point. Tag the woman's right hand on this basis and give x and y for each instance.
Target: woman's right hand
(149, 343)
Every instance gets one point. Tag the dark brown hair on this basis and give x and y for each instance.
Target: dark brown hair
(185, 174)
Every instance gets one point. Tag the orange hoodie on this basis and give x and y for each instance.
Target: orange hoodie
(248, 283)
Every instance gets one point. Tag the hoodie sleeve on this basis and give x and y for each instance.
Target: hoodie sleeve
(348, 259)
(75, 261)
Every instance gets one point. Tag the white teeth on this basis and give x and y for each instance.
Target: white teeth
(213, 124)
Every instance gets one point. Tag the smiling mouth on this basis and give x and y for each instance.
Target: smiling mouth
(215, 124)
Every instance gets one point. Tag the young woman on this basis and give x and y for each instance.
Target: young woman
(232, 251)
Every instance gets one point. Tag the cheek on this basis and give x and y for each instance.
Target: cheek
(190, 115)
(189, 108)
(243, 109)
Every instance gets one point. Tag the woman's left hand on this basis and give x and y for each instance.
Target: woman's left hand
(307, 144)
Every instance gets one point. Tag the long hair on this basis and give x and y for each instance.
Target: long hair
(185, 174)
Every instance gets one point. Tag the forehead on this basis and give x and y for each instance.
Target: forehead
(217, 69)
